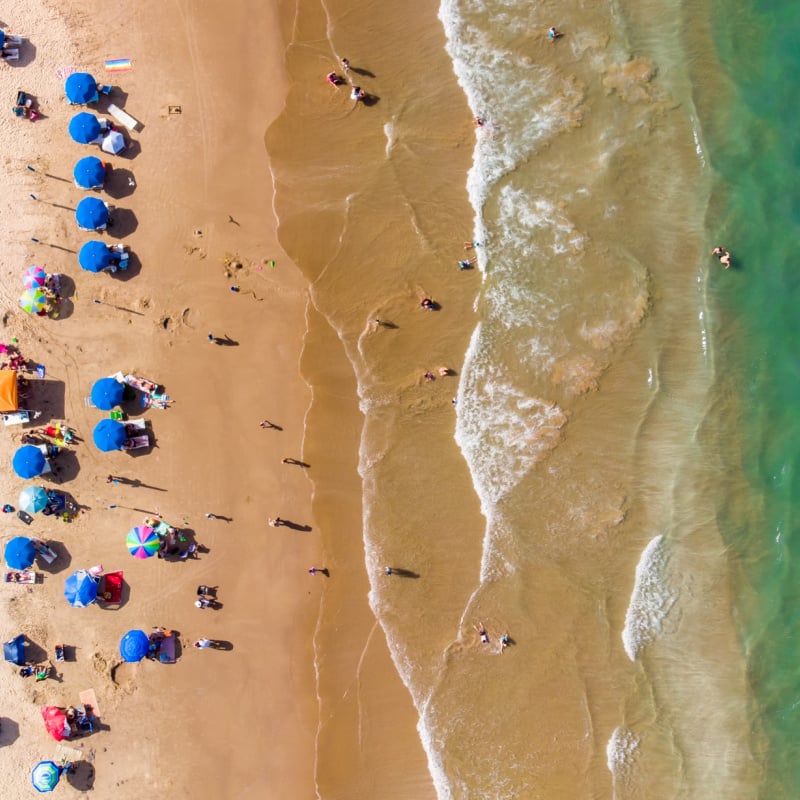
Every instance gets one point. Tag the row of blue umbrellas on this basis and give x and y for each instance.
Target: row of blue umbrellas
(80, 588)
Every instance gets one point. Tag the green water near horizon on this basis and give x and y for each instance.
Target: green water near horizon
(755, 154)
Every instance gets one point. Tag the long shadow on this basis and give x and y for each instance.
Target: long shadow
(401, 573)
(361, 71)
(225, 341)
(221, 644)
(9, 731)
(296, 463)
(295, 526)
(222, 517)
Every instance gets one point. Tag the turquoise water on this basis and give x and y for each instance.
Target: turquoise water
(756, 155)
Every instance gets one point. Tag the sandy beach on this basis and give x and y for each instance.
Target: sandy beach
(192, 194)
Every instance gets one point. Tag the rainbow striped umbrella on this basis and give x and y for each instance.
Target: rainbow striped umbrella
(45, 776)
(142, 541)
(33, 300)
(34, 277)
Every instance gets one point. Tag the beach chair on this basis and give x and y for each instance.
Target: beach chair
(89, 699)
(123, 117)
(134, 425)
(136, 443)
(87, 401)
(13, 39)
(25, 577)
(16, 418)
(59, 648)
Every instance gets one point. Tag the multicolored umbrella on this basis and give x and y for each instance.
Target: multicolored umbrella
(80, 589)
(34, 277)
(33, 300)
(142, 541)
(20, 553)
(29, 461)
(107, 393)
(33, 499)
(109, 435)
(134, 646)
(55, 720)
(45, 776)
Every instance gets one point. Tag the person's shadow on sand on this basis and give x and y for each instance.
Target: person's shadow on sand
(225, 341)
(295, 526)
(363, 72)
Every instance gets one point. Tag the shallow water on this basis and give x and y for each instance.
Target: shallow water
(620, 430)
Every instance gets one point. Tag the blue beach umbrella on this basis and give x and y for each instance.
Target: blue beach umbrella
(14, 650)
(81, 88)
(109, 435)
(28, 461)
(95, 256)
(91, 214)
(80, 589)
(45, 776)
(134, 646)
(107, 393)
(84, 128)
(89, 173)
(20, 553)
(33, 499)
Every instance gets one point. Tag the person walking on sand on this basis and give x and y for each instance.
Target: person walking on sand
(321, 570)
(112, 479)
(276, 522)
(202, 644)
(345, 65)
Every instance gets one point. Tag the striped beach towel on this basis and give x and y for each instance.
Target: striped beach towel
(118, 64)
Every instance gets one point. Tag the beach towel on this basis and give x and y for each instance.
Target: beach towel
(118, 64)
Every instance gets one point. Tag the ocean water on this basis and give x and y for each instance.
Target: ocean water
(622, 410)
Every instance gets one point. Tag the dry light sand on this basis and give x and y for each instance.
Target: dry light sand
(234, 724)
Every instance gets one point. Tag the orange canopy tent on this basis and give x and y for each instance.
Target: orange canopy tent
(9, 400)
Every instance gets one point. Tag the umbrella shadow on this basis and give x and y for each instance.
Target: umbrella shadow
(64, 309)
(80, 775)
(64, 466)
(119, 183)
(34, 653)
(132, 150)
(122, 222)
(131, 271)
(9, 731)
(62, 561)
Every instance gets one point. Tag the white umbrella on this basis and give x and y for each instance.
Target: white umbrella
(113, 142)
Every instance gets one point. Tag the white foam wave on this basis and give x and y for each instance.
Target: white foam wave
(621, 752)
(500, 447)
(651, 600)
